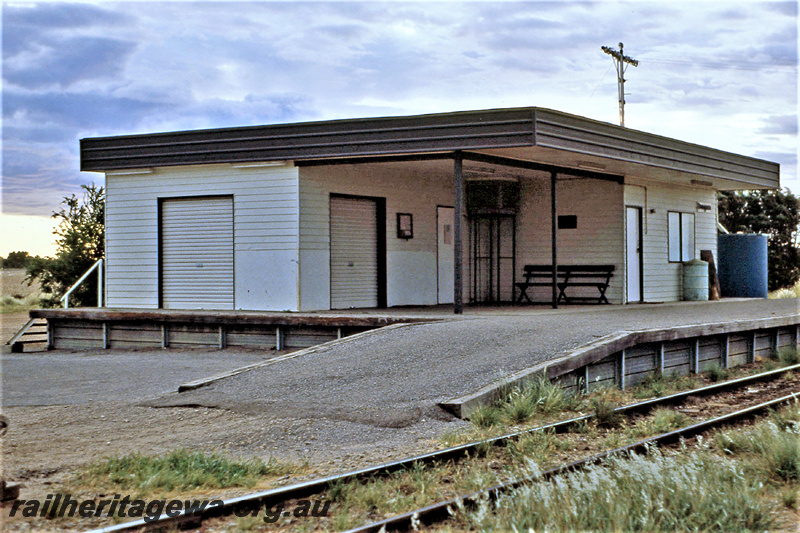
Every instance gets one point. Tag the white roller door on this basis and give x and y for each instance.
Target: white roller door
(354, 253)
(197, 253)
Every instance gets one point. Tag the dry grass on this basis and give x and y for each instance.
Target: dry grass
(791, 292)
(17, 295)
(694, 491)
(14, 284)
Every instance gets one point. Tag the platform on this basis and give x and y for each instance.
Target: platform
(92, 328)
(399, 375)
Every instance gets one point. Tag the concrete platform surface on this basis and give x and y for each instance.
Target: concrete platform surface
(396, 377)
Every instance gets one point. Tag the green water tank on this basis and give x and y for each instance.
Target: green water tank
(695, 281)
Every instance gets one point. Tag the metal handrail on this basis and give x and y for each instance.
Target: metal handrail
(99, 266)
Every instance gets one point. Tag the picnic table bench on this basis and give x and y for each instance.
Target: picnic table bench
(598, 276)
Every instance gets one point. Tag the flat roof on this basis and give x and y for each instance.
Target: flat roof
(566, 137)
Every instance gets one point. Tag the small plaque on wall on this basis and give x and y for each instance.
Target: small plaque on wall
(405, 226)
(567, 221)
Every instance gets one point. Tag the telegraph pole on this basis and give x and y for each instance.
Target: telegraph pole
(620, 62)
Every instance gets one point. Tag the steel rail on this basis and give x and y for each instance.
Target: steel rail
(439, 512)
(316, 486)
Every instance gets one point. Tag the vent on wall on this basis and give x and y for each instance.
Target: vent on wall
(492, 197)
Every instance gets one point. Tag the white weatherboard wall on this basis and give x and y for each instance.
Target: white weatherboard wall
(662, 279)
(410, 264)
(266, 218)
(598, 240)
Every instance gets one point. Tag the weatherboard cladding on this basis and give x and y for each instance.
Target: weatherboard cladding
(662, 279)
(422, 134)
(265, 220)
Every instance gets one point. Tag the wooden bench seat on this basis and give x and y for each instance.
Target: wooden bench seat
(598, 276)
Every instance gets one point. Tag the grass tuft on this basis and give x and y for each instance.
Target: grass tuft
(605, 411)
(178, 470)
(787, 356)
(485, 416)
(716, 373)
(656, 385)
(17, 304)
(788, 417)
(663, 420)
(519, 406)
(775, 443)
(522, 404)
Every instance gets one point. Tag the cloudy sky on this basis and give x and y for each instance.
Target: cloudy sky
(722, 74)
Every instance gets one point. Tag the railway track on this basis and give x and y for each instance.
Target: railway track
(745, 393)
(438, 512)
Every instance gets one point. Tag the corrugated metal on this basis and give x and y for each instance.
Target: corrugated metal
(354, 253)
(197, 253)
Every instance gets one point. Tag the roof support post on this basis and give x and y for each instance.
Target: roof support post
(458, 204)
(554, 234)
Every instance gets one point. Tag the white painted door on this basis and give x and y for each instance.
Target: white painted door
(633, 247)
(354, 252)
(445, 256)
(197, 253)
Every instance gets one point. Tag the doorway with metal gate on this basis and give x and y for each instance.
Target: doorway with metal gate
(492, 208)
(492, 264)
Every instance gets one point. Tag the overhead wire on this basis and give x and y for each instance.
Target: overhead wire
(759, 67)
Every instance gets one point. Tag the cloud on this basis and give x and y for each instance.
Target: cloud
(76, 111)
(780, 125)
(218, 112)
(61, 16)
(787, 8)
(83, 70)
(25, 26)
(36, 178)
(64, 62)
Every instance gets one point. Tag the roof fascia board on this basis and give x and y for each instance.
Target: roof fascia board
(561, 131)
(410, 136)
(384, 136)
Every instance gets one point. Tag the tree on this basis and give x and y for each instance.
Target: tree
(775, 213)
(80, 243)
(17, 260)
